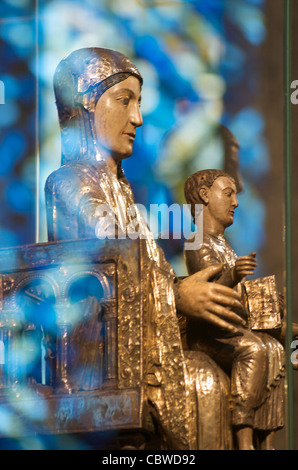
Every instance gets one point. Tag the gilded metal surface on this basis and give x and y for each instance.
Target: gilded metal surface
(137, 369)
(108, 189)
(149, 344)
(129, 328)
(261, 299)
(79, 81)
(214, 250)
(89, 67)
(73, 194)
(269, 381)
(88, 412)
(68, 409)
(47, 292)
(254, 359)
(209, 398)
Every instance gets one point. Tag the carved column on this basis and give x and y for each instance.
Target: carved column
(3, 352)
(63, 348)
(13, 365)
(110, 354)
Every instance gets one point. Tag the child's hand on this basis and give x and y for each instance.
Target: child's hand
(245, 266)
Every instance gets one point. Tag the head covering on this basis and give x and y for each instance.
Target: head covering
(80, 80)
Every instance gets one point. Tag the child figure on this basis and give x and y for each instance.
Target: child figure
(249, 357)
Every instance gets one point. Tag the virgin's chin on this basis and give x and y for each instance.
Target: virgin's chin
(127, 155)
(122, 155)
(229, 223)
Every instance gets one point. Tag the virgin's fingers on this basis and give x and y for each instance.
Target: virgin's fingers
(219, 289)
(207, 274)
(215, 320)
(226, 301)
(226, 314)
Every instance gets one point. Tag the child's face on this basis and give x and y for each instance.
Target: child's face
(222, 201)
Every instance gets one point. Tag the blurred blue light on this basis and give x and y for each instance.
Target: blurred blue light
(233, 63)
(27, 88)
(19, 34)
(255, 31)
(255, 160)
(7, 422)
(12, 87)
(249, 19)
(257, 2)
(9, 114)
(8, 237)
(154, 51)
(213, 10)
(20, 197)
(12, 149)
(247, 125)
(249, 221)
(19, 3)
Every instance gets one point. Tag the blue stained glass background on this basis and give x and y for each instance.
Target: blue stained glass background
(199, 62)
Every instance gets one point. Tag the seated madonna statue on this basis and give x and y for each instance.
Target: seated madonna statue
(98, 95)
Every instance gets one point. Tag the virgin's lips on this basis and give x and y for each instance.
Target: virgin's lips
(130, 134)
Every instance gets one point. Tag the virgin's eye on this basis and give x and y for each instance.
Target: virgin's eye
(124, 100)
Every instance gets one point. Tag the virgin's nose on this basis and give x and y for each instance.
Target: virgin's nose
(136, 116)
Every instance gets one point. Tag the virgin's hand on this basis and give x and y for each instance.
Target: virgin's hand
(212, 302)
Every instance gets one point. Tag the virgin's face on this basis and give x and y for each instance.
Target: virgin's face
(117, 115)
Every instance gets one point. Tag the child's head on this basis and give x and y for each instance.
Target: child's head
(198, 180)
